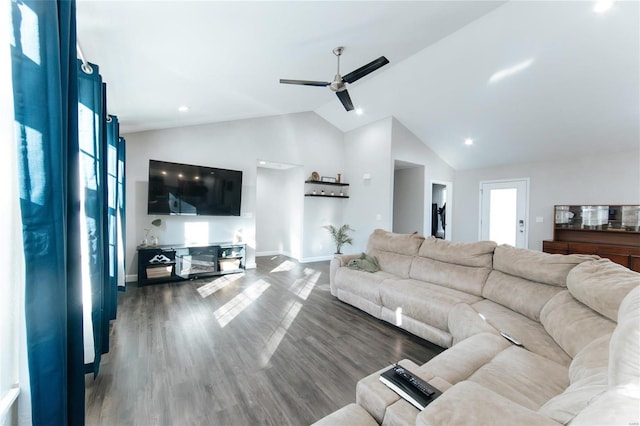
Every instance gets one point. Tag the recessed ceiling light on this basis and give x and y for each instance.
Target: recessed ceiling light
(183, 108)
(359, 111)
(602, 6)
(468, 141)
(262, 163)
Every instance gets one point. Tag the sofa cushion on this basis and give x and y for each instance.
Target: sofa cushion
(407, 244)
(360, 283)
(564, 407)
(571, 324)
(523, 377)
(536, 266)
(601, 285)
(519, 294)
(351, 414)
(531, 333)
(423, 301)
(461, 266)
(469, 403)
(624, 351)
(463, 278)
(617, 406)
(592, 360)
(478, 254)
(394, 252)
(465, 322)
(462, 360)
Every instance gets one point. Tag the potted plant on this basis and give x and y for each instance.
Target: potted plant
(340, 235)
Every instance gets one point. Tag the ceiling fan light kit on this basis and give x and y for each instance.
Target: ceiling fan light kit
(339, 83)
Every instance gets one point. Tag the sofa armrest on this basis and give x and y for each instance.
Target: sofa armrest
(338, 261)
(468, 403)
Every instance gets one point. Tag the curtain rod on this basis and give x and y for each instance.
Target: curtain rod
(86, 67)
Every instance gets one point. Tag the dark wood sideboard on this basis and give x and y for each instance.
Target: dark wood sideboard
(614, 234)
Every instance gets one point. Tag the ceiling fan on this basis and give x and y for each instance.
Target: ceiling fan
(339, 83)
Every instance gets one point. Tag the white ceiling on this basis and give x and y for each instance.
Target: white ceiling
(578, 90)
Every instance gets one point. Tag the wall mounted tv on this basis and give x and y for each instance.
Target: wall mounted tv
(182, 189)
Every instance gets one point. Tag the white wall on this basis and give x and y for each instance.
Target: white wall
(368, 151)
(408, 148)
(279, 211)
(600, 179)
(408, 200)
(373, 149)
(305, 139)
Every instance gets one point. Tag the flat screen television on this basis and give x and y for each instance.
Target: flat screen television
(183, 189)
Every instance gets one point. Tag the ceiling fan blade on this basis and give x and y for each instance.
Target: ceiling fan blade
(305, 82)
(366, 69)
(345, 99)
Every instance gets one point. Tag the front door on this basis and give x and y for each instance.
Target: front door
(504, 212)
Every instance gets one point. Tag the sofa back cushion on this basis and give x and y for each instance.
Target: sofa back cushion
(572, 324)
(601, 285)
(519, 294)
(460, 266)
(525, 280)
(545, 268)
(394, 252)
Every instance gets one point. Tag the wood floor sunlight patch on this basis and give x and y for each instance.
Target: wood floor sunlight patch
(302, 287)
(276, 337)
(210, 288)
(285, 266)
(226, 313)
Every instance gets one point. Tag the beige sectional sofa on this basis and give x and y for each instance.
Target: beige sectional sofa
(577, 317)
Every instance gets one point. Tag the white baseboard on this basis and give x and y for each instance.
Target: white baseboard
(131, 278)
(268, 253)
(316, 259)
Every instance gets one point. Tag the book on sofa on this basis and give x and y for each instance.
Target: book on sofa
(409, 386)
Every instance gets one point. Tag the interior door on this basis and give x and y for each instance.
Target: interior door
(504, 212)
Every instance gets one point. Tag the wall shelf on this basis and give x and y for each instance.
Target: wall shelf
(326, 196)
(318, 182)
(324, 189)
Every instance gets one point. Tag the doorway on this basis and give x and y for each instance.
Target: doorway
(504, 211)
(441, 195)
(408, 198)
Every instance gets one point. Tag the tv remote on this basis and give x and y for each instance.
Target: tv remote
(511, 338)
(413, 380)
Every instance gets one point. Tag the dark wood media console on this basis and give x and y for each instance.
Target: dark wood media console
(167, 263)
(616, 236)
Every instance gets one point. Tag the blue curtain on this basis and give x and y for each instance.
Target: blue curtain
(99, 174)
(92, 137)
(111, 290)
(121, 222)
(45, 95)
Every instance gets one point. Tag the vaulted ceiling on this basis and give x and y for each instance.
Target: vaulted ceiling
(527, 81)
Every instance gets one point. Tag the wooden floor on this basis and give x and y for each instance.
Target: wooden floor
(270, 346)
